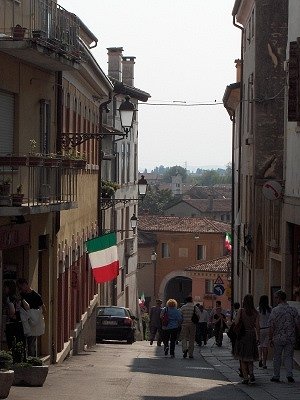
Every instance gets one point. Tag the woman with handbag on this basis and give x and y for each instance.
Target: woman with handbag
(248, 335)
(171, 320)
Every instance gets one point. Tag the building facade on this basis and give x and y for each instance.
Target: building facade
(177, 243)
(58, 142)
(258, 142)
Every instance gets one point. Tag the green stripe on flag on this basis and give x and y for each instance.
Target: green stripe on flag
(101, 242)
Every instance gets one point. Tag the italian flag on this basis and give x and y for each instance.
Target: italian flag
(103, 256)
(228, 246)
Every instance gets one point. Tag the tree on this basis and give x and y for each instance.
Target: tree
(173, 171)
(156, 201)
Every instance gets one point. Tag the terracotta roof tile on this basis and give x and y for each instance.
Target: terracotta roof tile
(216, 265)
(204, 204)
(157, 223)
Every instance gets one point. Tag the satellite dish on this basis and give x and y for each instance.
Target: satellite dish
(272, 190)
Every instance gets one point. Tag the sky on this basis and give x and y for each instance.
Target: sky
(185, 52)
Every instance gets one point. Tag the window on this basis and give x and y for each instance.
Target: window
(209, 286)
(123, 163)
(201, 252)
(122, 279)
(7, 111)
(128, 162)
(135, 163)
(45, 126)
(165, 252)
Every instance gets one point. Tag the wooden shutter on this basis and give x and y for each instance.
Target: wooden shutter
(7, 111)
(294, 104)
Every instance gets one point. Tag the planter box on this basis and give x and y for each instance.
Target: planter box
(30, 376)
(18, 32)
(17, 199)
(6, 380)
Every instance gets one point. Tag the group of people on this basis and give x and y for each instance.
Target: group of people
(252, 332)
(19, 300)
(169, 324)
(255, 330)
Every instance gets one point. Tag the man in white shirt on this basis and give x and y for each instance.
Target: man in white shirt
(188, 327)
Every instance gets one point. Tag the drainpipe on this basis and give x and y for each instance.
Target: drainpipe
(102, 107)
(239, 154)
(232, 118)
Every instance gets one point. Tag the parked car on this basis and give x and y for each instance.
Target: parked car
(115, 323)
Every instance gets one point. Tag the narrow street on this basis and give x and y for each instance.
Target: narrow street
(116, 371)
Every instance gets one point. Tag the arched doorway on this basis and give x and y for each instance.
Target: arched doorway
(178, 288)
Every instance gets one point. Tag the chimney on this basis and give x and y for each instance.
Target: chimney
(115, 62)
(128, 70)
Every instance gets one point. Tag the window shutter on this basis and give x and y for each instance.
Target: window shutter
(7, 106)
(294, 104)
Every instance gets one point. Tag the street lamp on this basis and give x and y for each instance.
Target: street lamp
(142, 187)
(126, 111)
(133, 224)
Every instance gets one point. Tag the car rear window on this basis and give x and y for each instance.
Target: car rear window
(111, 311)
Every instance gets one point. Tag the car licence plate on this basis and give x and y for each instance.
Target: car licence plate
(109, 322)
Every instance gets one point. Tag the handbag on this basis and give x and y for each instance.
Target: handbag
(165, 318)
(195, 318)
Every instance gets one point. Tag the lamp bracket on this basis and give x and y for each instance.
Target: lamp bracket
(69, 140)
(108, 203)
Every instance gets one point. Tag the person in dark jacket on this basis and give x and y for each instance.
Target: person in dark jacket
(155, 323)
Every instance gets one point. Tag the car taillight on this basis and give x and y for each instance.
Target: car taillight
(127, 321)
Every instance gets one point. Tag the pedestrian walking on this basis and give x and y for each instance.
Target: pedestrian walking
(282, 335)
(264, 310)
(201, 328)
(155, 323)
(188, 327)
(11, 311)
(218, 321)
(35, 302)
(248, 334)
(171, 321)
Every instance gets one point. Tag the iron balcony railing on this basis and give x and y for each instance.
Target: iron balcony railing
(41, 21)
(42, 180)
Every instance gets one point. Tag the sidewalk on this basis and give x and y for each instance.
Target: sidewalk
(222, 359)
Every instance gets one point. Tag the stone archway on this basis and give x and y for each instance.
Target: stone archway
(177, 284)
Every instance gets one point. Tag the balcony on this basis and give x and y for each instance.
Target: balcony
(38, 184)
(40, 32)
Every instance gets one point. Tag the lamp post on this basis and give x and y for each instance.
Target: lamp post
(153, 259)
(126, 111)
(142, 187)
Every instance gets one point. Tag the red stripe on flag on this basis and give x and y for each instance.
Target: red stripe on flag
(107, 273)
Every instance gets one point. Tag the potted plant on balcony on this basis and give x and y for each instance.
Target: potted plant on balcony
(6, 374)
(17, 198)
(28, 371)
(108, 189)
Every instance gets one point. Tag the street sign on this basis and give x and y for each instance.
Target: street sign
(219, 281)
(219, 290)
